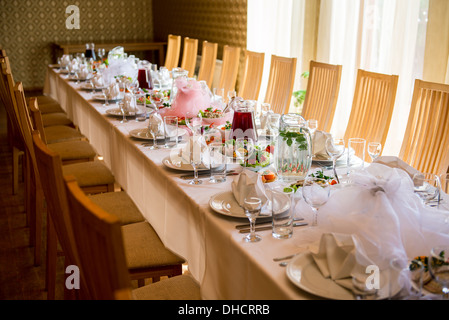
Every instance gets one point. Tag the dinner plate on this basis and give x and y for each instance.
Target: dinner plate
(182, 167)
(144, 134)
(88, 86)
(116, 112)
(305, 274)
(224, 203)
(73, 78)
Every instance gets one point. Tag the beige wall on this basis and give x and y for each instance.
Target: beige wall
(29, 27)
(220, 21)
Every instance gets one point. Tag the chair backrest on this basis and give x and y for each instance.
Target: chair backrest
(229, 69)
(173, 51)
(49, 166)
(252, 75)
(322, 91)
(189, 54)
(100, 245)
(372, 107)
(208, 62)
(426, 141)
(280, 83)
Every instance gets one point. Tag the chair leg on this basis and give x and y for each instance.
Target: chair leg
(16, 153)
(39, 226)
(52, 254)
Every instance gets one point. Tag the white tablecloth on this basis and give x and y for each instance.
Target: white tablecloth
(225, 266)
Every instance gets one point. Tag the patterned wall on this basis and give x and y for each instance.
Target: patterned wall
(221, 21)
(29, 27)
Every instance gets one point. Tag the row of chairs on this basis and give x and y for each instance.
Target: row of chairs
(97, 225)
(280, 82)
(426, 140)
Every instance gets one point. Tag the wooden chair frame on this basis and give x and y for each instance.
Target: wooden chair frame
(208, 61)
(372, 107)
(280, 83)
(189, 55)
(173, 51)
(322, 91)
(230, 68)
(426, 141)
(252, 75)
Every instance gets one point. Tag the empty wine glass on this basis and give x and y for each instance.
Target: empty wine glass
(196, 158)
(426, 186)
(313, 126)
(252, 207)
(438, 265)
(155, 124)
(194, 122)
(374, 150)
(105, 91)
(335, 147)
(124, 109)
(315, 192)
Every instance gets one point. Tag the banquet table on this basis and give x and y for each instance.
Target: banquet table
(225, 266)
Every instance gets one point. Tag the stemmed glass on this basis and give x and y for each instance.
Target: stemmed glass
(194, 122)
(426, 186)
(196, 158)
(105, 91)
(124, 109)
(374, 150)
(231, 95)
(439, 268)
(252, 207)
(335, 148)
(313, 126)
(315, 192)
(155, 124)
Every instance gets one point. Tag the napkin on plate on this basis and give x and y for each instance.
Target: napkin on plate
(248, 184)
(114, 91)
(341, 258)
(395, 162)
(98, 81)
(319, 145)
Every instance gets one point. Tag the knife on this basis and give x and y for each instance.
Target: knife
(298, 224)
(262, 221)
(206, 173)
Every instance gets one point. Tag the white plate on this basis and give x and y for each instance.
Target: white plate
(87, 86)
(144, 134)
(73, 78)
(117, 113)
(305, 274)
(100, 97)
(183, 166)
(224, 203)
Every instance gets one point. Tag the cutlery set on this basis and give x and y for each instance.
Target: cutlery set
(206, 173)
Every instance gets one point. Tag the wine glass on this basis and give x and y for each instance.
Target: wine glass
(155, 124)
(105, 91)
(313, 126)
(315, 192)
(194, 122)
(196, 158)
(231, 95)
(335, 147)
(426, 186)
(252, 207)
(438, 265)
(374, 149)
(124, 109)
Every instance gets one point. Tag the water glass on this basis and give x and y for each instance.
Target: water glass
(426, 186)
(282, 212)
(218, 163)
(171, 131)
(356, 154)
(252, 207)
(155, 126)
(374, 150)
(141, 108)
(405, 279)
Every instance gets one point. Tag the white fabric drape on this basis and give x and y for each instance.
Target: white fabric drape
(378, 36)
(276, 27)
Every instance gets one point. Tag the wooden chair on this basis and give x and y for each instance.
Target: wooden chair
(189, 54)
(372, 107)
(280, 83)
(173, 51)
(229, 69)
(252, 75)
(322, 91)
(208, 62)
(99, 240)
(426, 141)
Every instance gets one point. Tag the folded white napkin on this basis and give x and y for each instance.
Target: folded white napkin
(341, 258)
(114, 91)
(319, 145)
(395, 162)
(248, 184)
(83, 72)
(98, 81)
(195, 147)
